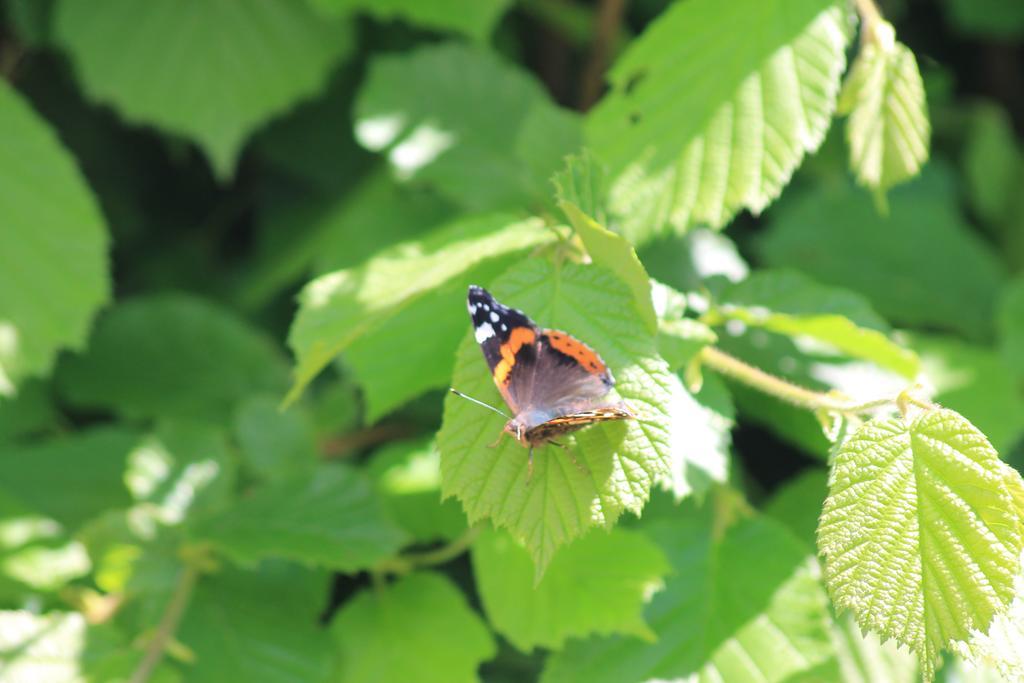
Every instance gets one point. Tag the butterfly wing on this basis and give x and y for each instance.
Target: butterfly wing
(508, 339)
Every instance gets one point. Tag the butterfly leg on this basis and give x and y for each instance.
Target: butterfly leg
(496, 441)
(572, 457)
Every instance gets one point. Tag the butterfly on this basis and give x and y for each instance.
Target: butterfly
(552, 383)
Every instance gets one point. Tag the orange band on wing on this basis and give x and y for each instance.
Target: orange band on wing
(519, 337)
(574, 349)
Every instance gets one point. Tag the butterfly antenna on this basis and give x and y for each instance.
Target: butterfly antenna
(480, 403)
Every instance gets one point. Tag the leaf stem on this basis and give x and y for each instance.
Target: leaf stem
(733, 367)
(168, 625)
(870, 18)
(403, 564)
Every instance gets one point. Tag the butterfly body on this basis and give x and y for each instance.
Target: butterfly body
(553, 383)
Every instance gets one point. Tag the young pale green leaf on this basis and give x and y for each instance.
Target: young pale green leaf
(596, 585)
(443, 112)
(172, 355)
(337, 309)
(407, 477)
(702, 121)
(53, 247)
(70, 478)
(786, 302)
(261, 625)
(604, 246)
(1010, 325)
(616, 463)
(899, 261)
(745, 605)
(330, 518)
(275, 443)
(972, 380)
(888, 129)
(474, 18)
(921, 533)
(864, 658)
(442, 639)
(242, 67)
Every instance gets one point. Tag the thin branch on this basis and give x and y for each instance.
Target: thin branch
(168, 625)
(608, 21)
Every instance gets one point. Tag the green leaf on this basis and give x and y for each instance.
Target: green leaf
(992, 162)
(864, 658)
(242, 67)
(920, 532)
(36, 554)
(258, 626)
(797, 503)
(742, 606)
(407, 477)
(29, 412)
(899, 261)
(617, 463)
(973, 381)
(682, 339)
(597, 585)
(888, 127)
(1010, 325)
(987, 19)
(444, 112)
(442, 639)
(337, 309)
(330, 518)
(53, 247)
(275, 443)
(474, 18)
(70, 478)
(999, 648)
(171, 355)
(789, 303)
(702, 121)
(604, 246)
(183, 470)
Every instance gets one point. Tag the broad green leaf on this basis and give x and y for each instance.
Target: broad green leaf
(1010, 326)
(36, 553)
(444, 113)
(442, 639)
(920, 531)
(259, 625)
(407, 477)
(616, 463)
(597, 585)
(741, 606)
(183, 470)
(681, 339)
(973, 381)
(69, 478)
(474, 18)
(797, 503)
(988, 19)
(703, 121)
(864, 658)
(60, 647)
(337, 309)
(212, 71)
(329, 518)
(999, 647)
(31, 411)
(275, 443)
(883, 95)
(899, 261)
(53, 247)
(693, 261)
(788, 303)
(171, 355)
(604, 246)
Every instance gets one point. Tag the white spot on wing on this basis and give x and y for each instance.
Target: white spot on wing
(504, 327)
(494, 317)
(483, 333)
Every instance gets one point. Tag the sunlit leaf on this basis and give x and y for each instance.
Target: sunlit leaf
(442, 639)
(702, 121)
(597, 585)
(474, 18)
(53, 247)
(920, 532)
(210, 70)
(888, 127)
